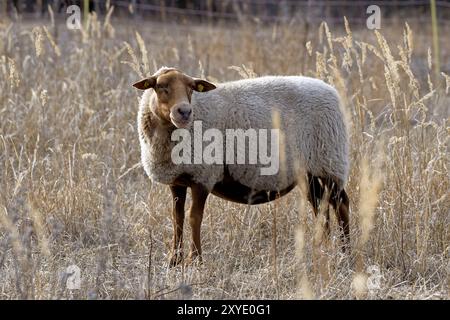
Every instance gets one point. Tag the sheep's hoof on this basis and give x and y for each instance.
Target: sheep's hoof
(194, 259)
(176, 259)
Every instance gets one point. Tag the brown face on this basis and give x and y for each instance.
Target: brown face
(173, 91)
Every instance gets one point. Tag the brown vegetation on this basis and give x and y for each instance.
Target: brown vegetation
(73, 191)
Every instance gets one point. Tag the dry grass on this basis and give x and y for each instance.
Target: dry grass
(72, 190)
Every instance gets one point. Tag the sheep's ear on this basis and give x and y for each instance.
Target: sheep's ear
(203, 85)
(145, 84)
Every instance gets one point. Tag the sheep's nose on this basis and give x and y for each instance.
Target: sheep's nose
(185, 112)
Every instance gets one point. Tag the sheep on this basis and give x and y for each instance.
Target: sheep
(314, 134)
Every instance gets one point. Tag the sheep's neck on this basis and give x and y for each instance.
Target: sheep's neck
(154, 129)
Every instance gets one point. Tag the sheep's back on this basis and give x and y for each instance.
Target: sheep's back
(311, 123)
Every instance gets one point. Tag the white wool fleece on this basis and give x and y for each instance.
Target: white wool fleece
(312, 124)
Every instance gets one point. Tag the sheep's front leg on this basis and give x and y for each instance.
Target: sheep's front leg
(199, 196)
(179, 199)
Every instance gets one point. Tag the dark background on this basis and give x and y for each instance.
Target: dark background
(265, 10)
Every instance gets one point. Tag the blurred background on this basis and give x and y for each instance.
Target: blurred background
(231, 10)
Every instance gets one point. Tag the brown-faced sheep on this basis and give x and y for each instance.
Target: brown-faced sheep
(310, 119)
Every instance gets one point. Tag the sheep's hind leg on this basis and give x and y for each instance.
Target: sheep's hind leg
(179, 199)
(199, 196)
(316, 192)
(340, 202)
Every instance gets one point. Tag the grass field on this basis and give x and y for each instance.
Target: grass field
(72, 190)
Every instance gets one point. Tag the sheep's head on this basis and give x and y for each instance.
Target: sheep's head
(173, 92)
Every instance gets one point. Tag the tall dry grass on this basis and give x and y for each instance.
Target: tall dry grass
(73, 192)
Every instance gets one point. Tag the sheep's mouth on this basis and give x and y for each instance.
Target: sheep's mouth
(181, 123)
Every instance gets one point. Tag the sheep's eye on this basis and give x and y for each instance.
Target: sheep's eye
(162, 88)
